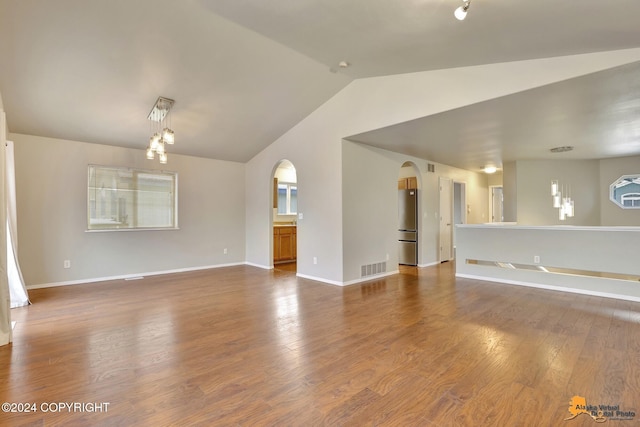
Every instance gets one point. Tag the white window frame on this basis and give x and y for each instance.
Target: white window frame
(288, 202)
(624, 192)
(123, 190)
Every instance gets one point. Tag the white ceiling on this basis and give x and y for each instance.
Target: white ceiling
(598, 114)
(243, 72)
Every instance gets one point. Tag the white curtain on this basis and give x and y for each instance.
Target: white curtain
(5, 312)
(17, 289)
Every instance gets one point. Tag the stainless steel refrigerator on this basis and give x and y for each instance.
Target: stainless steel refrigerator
(408, 227)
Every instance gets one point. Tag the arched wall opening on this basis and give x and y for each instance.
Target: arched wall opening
(284, 216)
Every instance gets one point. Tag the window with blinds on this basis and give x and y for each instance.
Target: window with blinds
(131, 199)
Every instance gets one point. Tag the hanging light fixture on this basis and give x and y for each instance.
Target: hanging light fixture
(461, 12)
(565, 205)
(161, 129)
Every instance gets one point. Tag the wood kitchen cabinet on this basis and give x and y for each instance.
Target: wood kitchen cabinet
(284, 243)
(275, 193)
(410, 183)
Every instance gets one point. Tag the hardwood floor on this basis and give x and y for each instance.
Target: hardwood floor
(241, 346)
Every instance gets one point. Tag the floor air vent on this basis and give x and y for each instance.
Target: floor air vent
(373, 269)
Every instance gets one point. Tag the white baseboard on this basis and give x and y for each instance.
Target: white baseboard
(369, 278)
(265, 267)
(350, 282)
(137, 276)
(134, 276)
(429, 264)
(319, 279)
(551, 287)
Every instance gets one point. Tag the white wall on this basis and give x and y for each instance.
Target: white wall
(51, 181)
(370, 202)
(588, 250)
(510, 191)
(370, 207)
(589, 182)
(580, 177)
(315, 147)
(494, 179)
(319, 177)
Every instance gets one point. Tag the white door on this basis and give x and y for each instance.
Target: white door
(446, 219)
(459, 212)
(496, 204)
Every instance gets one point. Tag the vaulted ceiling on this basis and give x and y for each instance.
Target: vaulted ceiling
(243, 72)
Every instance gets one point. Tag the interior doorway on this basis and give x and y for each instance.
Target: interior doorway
(446, 219)
(459, 208)
(284, 218)
(496, 204)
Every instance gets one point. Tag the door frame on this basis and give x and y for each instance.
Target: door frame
(449, 220)
(491, 190)
(463, 211)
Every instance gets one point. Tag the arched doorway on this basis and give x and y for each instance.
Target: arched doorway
(285, 216)
(408, 214)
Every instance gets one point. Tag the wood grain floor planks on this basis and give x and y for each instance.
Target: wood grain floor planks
(242, 346)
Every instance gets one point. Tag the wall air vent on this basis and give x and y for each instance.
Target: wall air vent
(373, 269)
(431, 167)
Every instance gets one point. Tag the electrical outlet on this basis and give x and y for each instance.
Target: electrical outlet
(315, 260)
(536, 259)
(67, 263)
(225, 251)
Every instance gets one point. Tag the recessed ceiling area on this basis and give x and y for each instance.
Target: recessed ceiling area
(598, 114)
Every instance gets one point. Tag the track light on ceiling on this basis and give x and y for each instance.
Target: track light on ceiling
(162, 133)
(461, 12)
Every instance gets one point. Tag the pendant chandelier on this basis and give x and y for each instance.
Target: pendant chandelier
(161, 133)
(565, 204)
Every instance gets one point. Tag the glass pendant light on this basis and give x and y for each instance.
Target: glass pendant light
(570, 209)
(155, 141)
(168, 136)
(564, 204)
